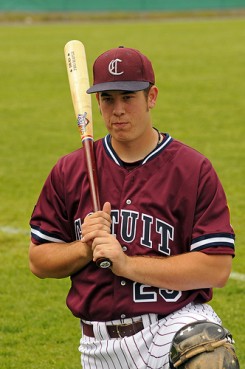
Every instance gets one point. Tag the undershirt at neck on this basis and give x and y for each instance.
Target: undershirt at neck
(131, 166)
(135, 164)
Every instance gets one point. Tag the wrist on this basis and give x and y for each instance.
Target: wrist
(85, 251)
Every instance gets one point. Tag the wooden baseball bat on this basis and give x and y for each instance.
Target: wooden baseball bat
(77, 70)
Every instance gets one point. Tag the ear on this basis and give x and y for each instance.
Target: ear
(152, 97)
(97, 97)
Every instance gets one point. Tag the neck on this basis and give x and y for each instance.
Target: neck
(138, 149)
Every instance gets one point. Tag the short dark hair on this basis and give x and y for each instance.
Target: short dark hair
(147, 90)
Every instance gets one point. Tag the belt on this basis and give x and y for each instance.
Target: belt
(115, 331)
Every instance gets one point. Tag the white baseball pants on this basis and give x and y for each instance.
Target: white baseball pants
(147, 349)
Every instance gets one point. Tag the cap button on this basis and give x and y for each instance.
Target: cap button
(120, 47)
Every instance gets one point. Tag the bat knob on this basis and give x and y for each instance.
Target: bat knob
(104, 263)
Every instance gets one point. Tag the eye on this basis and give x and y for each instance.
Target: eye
(107, 99)
(127, 97)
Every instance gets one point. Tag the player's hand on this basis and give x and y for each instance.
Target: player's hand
(106, 245)
(96, 222)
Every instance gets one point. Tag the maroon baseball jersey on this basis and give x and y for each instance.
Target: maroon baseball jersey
(171, 203)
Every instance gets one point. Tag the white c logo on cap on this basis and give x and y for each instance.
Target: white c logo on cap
(113, 67)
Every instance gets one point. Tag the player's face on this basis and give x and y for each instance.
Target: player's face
(127, 113)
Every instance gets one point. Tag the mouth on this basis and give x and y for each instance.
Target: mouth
(120, 124)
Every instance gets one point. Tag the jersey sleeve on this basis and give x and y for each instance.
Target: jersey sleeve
(49, 221)
(212, 231)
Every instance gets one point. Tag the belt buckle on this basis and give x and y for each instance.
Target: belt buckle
(118, 332)
(121, 326)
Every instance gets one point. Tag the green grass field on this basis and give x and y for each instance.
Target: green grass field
(200, 69)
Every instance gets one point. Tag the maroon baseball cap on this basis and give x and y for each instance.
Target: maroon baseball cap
(122, 69)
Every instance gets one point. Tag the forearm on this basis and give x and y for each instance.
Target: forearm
(58, 260)
(182, 272)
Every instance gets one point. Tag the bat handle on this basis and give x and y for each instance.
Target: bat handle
(104, 263)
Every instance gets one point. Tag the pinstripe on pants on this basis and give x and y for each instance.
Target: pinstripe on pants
(147, 349)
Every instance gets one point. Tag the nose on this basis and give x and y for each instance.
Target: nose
(118, 108)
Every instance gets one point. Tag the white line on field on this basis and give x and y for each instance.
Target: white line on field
(237, 276)
(12, 230)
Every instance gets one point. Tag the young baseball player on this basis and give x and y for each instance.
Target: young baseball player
(164, 225)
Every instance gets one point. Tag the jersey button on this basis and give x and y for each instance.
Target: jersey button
(123, 316)
(123, 283)
(124, 248)
(128, 201)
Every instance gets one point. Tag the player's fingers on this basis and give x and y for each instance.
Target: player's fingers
(93, 234)
(108, 247)
(107, 208)
(100, 249)
(99, 216)
(99, 223)
(103, 239)
(95, 226)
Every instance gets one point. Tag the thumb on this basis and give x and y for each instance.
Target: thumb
(107, 208)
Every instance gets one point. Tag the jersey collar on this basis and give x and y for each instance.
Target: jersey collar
(113, 155)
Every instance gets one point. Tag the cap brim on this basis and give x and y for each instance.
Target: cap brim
(119, 86)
